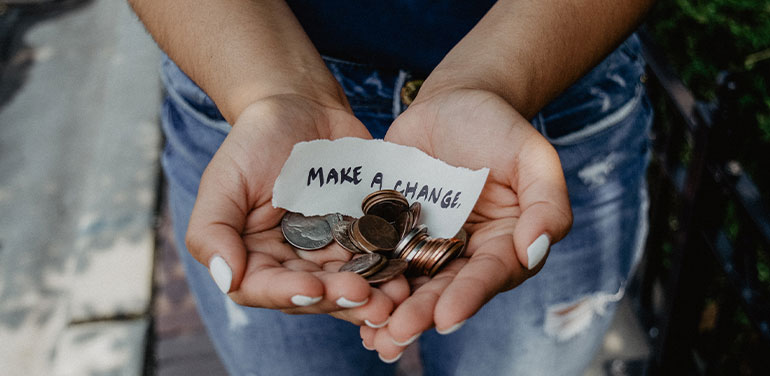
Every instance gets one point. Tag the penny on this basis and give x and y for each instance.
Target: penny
(375, 233)
(365, 263)
(342, 237)
(393, 269)
(386, 204)
(307, 233)
(416, 210)
(404, 223)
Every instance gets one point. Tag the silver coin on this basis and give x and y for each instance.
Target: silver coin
(308, 233)
(342, 236)
(364, 264)
(393, 269)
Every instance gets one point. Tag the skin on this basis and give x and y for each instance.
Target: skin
(261, 70)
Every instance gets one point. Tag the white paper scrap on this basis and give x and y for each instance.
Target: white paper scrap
(322, 177)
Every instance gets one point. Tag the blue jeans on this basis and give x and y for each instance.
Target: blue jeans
(550, 325)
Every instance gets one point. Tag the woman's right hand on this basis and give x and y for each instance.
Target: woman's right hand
(235, 230)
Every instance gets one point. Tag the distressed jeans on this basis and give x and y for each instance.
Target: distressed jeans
(550, 325)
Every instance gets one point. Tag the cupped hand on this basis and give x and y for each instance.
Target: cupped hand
(235, 230)
(522, 209)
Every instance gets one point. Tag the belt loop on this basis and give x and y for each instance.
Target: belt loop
(400, 80)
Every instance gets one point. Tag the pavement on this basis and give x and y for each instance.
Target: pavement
(79, 148)
(89, 280)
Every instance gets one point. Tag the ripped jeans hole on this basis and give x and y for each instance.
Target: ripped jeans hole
(566, 320)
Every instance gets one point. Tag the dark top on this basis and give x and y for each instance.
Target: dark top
(413, 35)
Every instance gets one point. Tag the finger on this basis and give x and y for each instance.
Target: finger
(217, 220)
(367, 337)
(269, 284)
(493, 268)
(374, 314)
(397, 289)
(546, 216)
(387, 349)
(416, 314)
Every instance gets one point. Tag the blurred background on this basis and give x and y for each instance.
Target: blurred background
(90, 283)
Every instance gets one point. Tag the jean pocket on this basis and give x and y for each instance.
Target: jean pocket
(188, 97)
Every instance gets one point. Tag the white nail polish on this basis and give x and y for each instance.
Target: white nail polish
(366, 347)
(221, 273)
(344, 303)
(376, 326)
(451, 329)
(407, 342)
(391, 360)
(537, 250)
(304, 301)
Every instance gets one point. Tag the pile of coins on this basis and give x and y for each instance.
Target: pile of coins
(386, 241)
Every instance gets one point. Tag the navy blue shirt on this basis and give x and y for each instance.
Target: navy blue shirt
(414, 35)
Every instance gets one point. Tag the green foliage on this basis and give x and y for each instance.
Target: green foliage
(702, 38)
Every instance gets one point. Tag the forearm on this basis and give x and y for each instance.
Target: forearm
(240, 51)
(529, 51)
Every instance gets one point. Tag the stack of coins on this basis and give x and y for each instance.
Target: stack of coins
(386, 241)
(426, 255)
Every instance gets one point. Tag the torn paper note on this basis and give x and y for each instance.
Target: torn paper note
(323, 176)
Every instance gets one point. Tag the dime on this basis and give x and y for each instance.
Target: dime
(342, 237)
(308, 233)
(403, 246)
(365, 265)
(374, 233)
(392, 269)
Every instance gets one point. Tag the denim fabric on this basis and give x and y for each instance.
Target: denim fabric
(550, 325)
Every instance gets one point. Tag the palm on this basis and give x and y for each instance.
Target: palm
(524, 196)
(234, 209)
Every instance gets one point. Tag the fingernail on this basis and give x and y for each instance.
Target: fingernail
(391, 360)
(537, 250)
(304, 301)
(344, 303)
(366, 347)
(451, 329)
(376, 326)
(221, 273)
(407, 342)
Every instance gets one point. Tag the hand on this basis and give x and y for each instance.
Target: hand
(234, 223)
(524, 198)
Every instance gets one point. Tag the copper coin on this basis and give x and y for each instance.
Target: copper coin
(363, 263)
(342, 236)
(401, 248)
(416, 210)
(404, 223)
(377, 232)
(308, 233)
(387, 210)
(454, 251)
(392, 269)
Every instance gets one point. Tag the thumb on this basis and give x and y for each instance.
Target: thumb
(546, 215)
(214, 232)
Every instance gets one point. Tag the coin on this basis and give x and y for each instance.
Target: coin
(392, 269)
(404, 223)
(307, 233)
(374, 233)
(386, 204)
(340, 232)
(416, 210)
(365, 265)
(403, 246)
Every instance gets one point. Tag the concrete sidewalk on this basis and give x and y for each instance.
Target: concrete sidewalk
(79, 146)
